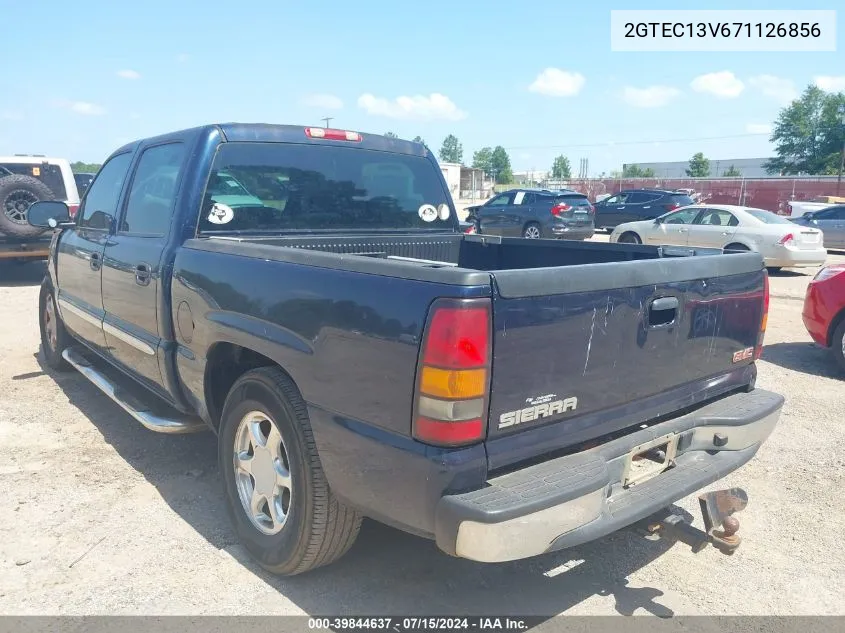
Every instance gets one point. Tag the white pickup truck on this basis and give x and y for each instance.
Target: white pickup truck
(797, 208)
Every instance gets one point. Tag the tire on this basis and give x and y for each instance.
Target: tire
(316, 529)
(17, 194)
(532, 231)
(54, 336)
(837, 343)
(629, 238)
(742, 248)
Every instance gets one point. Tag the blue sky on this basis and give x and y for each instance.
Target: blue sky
(97, 74)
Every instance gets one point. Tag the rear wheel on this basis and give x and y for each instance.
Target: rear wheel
(629, 238)
(837, 344)
(277, 494)
(531, 231)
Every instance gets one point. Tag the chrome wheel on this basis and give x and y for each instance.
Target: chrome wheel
(843, 345)
(532, 232)
(50, 329)
(262, 472)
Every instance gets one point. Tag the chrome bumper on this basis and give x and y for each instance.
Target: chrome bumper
(578, 498)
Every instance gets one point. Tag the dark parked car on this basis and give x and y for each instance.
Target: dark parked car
(309, 296)
(831, 222)
(536, 213)
(632, 205)
(82, 182)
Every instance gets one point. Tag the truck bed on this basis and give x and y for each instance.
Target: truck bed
(573, 322)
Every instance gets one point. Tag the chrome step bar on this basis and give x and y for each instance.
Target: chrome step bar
(171, 425)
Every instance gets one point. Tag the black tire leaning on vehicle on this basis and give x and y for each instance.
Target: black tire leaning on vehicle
(318, 529)
(54, 336)
(629, 238)
(837, 340)
(17, 194)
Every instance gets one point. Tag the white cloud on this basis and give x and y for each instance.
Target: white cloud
(723, 84)
(651, 97)
(758, 128)
(10, 115)
(128, 74)
(829, 83)
(555, 82)
(419, 107)
(780, 89)
(81, 107)
(325, 101)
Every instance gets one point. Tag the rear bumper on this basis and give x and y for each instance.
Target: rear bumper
(572, 232)
(786, 257)
(578, 498)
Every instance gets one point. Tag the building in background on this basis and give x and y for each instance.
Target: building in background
(748, 167)
(466, 183)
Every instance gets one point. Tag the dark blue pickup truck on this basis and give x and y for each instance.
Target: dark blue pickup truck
(308, 295)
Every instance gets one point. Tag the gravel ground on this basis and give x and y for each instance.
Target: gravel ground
(99, 516)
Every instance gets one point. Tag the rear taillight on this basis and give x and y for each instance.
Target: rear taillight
(786, 239)
(829, 271)
(454, 373)
(592, 209)
(672, 207)
(470, 229)
(333, 135)
(758, 350)
(72, 209)
(559, 209)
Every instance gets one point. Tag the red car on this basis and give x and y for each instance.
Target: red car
(824, 310)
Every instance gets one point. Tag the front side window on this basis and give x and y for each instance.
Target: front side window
(100, 205)
(153, 193)
(271, 187)
(501, 200)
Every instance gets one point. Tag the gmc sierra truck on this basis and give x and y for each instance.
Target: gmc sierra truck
(309, 295)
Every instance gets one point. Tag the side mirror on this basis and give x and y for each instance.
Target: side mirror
(48, 214)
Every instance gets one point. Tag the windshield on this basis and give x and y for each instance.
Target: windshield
(767, 217)
(279, 187)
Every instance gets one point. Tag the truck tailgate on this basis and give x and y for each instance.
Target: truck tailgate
(572, 342)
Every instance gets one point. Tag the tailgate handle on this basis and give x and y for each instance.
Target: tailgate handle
(663, 311)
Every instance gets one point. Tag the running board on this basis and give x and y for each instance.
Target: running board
(153, 422)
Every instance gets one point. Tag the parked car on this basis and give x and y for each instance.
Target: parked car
(824, 310)
(830, 221)
(800, 208)
(731, 228)
(25, 179)
(358, 355)
(82, 182)
(632, 205)
(535, 214)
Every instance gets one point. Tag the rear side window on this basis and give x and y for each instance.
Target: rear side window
(280, 187)
(153, 192)
(47, 173)
(682, 199)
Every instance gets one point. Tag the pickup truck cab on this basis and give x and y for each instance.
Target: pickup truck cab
(309, 296)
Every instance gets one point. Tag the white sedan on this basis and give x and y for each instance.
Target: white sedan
(783, 244)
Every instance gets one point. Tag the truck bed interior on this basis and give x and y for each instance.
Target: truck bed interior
(475, 252)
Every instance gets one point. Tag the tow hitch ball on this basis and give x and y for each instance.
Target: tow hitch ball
(720, 526)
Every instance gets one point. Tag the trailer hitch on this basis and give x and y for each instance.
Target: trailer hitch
(720, 526)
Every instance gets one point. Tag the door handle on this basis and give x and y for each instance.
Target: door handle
(648, 207)
(94, 261)
(663, 311)
(683, 230)
(725, 233)
(143, 274)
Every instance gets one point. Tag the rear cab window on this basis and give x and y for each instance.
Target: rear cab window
(47, 173)
(270, 187)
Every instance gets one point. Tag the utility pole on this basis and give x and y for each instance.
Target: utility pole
(841, 111)
(327, 119)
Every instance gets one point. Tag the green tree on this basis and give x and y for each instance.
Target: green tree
(419, 139)
(699, 166)
(561, 168)
(732, 172)
(482, 159)
(391, 135)
(500, 164)
(635, 171)
(85, 168)
(808, 135)
(452, 151)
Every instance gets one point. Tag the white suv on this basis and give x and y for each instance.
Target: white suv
(25, 179)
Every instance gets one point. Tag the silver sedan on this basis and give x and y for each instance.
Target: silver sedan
(782, 243)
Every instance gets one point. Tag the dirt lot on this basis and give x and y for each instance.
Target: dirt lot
(98, 515)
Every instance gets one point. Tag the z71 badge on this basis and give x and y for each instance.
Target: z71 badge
(539, 408)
